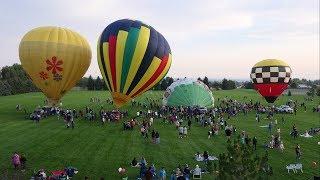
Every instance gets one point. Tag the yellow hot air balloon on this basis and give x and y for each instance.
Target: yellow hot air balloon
(55, 58)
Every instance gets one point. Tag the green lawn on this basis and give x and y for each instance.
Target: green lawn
(98, 151)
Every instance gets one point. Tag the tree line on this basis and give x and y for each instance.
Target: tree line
(98, 83)
(14, 80)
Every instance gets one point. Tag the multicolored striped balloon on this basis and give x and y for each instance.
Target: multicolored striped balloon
(132, 58)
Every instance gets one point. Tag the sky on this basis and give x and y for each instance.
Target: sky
(213, 38)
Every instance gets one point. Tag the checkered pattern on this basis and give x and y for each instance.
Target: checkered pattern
(271, 74)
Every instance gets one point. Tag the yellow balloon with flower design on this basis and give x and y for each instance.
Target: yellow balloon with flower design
(55, 59)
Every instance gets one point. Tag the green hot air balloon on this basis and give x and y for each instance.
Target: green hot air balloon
(188, 92)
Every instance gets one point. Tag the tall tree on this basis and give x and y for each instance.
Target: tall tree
(104, 85)
(83, 82)
(16, 80)
(206, 80)
(5, 88)
(164, 84)
(228, 84)
(170, 81)
(248, 85)
(98, 84)
(90, 84)
(241, 162)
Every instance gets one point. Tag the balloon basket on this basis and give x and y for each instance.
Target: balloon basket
(53, 103)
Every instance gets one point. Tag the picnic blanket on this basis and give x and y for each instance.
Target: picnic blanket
(306, 135)
(210, 158)
(265, 126)
(58, 172)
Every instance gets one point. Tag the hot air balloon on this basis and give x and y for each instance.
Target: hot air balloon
(270, 78)
(188, 92)
(132, 58)
(55, 59)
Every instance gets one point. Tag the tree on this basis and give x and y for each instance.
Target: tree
(318, 91)
(170, 81)
(289, 93)
(312, 91)
(241, 162)
(15, 80)
(5, 88)
(157, 87)
(206, 80)
(248, 85)
(104, 85)
(90, 84)
(216, 84)
(293, 84)
(228, 84)
(83, 82)
(98, 84)
(164, 84)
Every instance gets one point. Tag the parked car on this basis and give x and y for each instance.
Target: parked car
(284, 109)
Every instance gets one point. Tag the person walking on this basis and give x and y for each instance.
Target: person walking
(298, 152)
(189, 124)
(254, 142)
(270, 127)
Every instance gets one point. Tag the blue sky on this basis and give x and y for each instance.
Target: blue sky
(207, 37)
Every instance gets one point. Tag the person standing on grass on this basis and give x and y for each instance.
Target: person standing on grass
(157, 137)
(298, 152)
(180, 129)
(270, 127)
(72, 123)
(258, 117)
(278, 131)
(16, 160)
(294, 131)
(162, 174)
(254, 142)
(148, 174)
(185, 131)
(23, 161)
(153, 136)
(189, 124)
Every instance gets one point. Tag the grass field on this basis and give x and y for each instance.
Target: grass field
(98, 151)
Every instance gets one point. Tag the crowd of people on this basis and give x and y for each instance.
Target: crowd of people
(215, 119)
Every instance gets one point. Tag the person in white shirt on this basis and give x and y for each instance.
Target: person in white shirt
(197, 171)
(278, 131)
(281, 146)
(185, 131)
(180, 129)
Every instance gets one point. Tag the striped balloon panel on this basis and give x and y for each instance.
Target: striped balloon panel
(132, 57)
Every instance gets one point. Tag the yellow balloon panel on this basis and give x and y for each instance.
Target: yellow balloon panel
(55, 59)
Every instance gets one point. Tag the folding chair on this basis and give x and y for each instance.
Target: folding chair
(197, 176)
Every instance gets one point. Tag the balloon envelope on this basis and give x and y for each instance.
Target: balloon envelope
(188, 92)
(270, 78)
(132, 58)
(55, 59)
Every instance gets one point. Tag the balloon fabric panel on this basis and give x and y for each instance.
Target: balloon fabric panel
(132, 57)
(55, 59)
